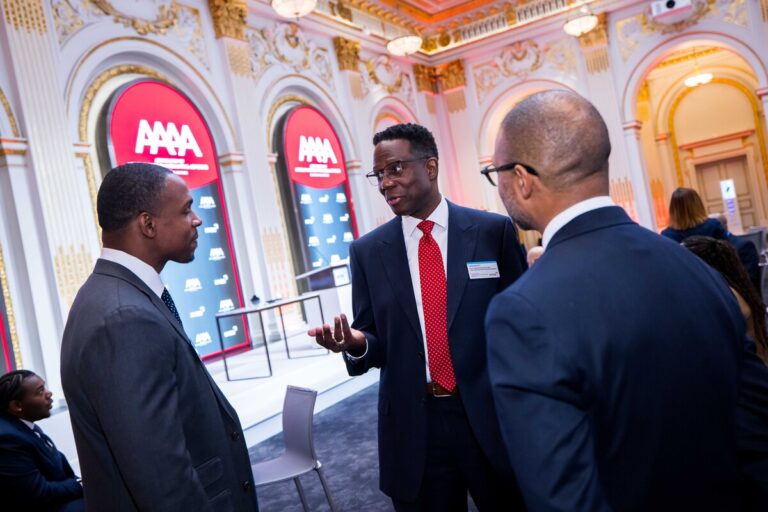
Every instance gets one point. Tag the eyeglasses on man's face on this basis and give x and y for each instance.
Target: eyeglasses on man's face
(393, 170)
(490, 168)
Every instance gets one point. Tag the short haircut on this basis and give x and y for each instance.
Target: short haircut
(686, 209)
(560, 134)
(10, 387)
(128, 190)
(422, 141)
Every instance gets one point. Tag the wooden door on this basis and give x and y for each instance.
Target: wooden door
(735, 168)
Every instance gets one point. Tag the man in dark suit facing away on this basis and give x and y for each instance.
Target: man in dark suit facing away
(615, 361)
(153, 431)
(34, 475)
(438, 434)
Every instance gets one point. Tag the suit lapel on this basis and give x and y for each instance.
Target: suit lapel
(462, 238)
(394, 261)
(120, 272)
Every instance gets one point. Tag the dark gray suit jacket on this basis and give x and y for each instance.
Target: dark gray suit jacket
(152, 429)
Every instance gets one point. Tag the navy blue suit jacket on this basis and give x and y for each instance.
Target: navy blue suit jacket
(32, 475)
(385, 310)
(616, 364)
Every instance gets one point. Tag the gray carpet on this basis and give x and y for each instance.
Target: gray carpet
(346, 444)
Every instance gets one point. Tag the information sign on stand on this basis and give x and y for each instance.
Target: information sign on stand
(152, 122)
(731, 206)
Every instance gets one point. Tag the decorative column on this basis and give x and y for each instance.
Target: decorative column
(69, 245)
(636, 169)
(348, 58)
(28, 282)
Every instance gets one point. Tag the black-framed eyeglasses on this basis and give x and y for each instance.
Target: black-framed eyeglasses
(490, 168)
(393, 170)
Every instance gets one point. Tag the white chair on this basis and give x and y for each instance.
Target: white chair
(299, 457)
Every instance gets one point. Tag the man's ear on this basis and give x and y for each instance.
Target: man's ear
(524, 182)
(432, 168)
(15, 406)
(146, 223)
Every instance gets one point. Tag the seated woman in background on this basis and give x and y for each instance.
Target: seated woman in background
(721, 256)
(687, 217)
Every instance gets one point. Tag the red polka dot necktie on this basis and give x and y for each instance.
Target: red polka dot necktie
(434, 299)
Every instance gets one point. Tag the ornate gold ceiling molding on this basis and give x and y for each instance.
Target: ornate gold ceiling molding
(347, 53)
(9, 113)
(26, 14)
(229, 18)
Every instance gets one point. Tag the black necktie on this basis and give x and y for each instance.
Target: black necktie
(168, 301)
(41, 435)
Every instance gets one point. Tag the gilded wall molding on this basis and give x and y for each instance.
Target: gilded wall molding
(659, 203)
(9, 113)
(347, 53)
(99, 82)
(229, 18)
(26, 15)
(764, 9)
(340, 10)
(72, 267)
(180, 22)
(523, 59)
(631, 31)
(10, 317)
(167, 16)
(290, 98)
(426, 78)
(594, 46)
(452, 75)
(623, 195)
(239, 58)
(286, 45)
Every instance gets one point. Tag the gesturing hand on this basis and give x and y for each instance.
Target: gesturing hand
(341, 339)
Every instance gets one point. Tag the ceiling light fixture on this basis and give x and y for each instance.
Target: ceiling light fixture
(293, 8)
(583, 21)
(404, 45)
(697, 78)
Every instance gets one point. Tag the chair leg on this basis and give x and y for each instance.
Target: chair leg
(301, 494)
(319, 470)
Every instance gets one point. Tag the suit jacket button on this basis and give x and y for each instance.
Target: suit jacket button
(235, 435)
(247, 485)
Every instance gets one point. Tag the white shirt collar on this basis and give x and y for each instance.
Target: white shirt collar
(30, 424)
(570, 213)
(143, 271)
(439, 216)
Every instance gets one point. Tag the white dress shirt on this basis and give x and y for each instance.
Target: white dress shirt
(30, 424)
(143, 271)
(570, 213)
(412, 234)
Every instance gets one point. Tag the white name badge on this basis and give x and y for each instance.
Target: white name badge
(483, 269)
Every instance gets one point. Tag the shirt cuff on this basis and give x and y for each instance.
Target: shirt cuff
(349, 357)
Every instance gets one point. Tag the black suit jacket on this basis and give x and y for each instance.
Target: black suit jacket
(33, 476)
(617, 364)
(385, 310)
(152, 429)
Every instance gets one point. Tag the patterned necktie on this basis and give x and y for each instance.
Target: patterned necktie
(168, 301)
(434, 299)
(43, 437)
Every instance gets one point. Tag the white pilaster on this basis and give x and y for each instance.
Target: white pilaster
(636, 171)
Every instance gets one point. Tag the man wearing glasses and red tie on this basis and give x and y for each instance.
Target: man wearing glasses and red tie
(421, 284)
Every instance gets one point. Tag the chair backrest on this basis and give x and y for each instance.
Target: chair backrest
(298, 410)
(761, 231)
(756, 237)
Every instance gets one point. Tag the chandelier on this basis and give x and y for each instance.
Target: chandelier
(697, 78)
(581, 23)
(293, 8)
(404, 45)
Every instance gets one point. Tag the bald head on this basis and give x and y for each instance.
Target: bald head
(561, 135)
